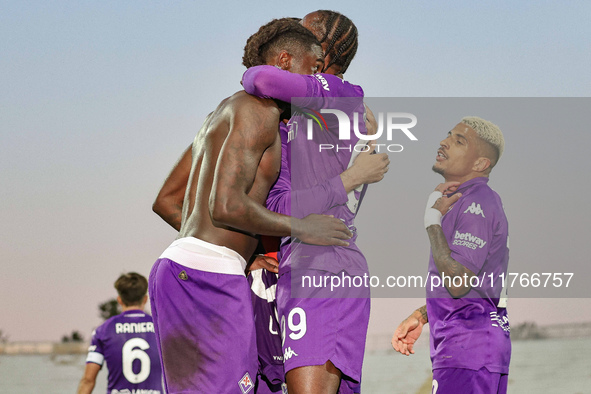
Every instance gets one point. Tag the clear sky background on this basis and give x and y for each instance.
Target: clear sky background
(98, 99)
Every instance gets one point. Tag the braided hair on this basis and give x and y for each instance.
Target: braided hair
(277, 35)
(340, 35)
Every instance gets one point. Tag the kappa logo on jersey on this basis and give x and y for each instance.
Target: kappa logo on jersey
(475, 209)
(289, 354)
(468, 240)
(323, 81)
(246, 384)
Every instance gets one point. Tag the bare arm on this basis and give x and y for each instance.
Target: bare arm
(89, 379)
(439, 247)
(253, 131)
(169, 202)
(367, 168)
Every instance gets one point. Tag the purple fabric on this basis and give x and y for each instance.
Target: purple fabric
(121, 339)
(263, 285)
(310, 182)
(316, 330)
(272, 82)
(205, 329)
(458, 380)
(473, 331)
(313, 176)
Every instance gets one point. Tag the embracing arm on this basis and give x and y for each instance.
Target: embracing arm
(169, 202)
(271, 82)
(367, 168)
(253, 131)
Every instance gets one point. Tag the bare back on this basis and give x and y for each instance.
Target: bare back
(237, 150)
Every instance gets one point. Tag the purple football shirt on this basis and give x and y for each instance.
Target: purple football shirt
(473, 331)
(309, 181)
(127, 344)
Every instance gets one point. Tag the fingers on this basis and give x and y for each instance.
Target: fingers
(397, 339)
(401, 331)
(338, 242)
(447, 187)
(270, 264)
(452, 199)
(400, 346)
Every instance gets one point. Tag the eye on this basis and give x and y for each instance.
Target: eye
(319, 67)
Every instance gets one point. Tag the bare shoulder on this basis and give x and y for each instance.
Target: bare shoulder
(243, 104)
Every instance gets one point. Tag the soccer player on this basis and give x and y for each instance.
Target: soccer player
(127, 344)
(467, 229)
(323, 338)
(199, 295)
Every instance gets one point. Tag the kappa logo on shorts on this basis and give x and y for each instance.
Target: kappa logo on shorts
(246, 383)
(289, 354)
(183, 275)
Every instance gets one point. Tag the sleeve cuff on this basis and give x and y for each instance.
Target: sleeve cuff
(94, 357)
(340, 195)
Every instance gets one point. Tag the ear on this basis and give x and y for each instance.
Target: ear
(284, 60)
(481, 164)
(120, 301)
(144, 301)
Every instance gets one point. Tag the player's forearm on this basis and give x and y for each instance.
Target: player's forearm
(86, 386)
(169, 201)
(421, 314)
(446, 264)
(170, 211)
(271, 82)
(350, 180)
(243, 213)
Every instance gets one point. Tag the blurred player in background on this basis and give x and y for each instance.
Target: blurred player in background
(470, 342)
(126, 343)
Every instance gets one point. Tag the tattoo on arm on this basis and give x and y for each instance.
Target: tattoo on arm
(445, 263)
(423, 311)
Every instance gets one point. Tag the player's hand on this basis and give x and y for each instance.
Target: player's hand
(407, 334)
(266, 262)
(444, 203)
(447, 187)
(321, 230)
(370, 167)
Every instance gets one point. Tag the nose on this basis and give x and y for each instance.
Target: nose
(444, 143)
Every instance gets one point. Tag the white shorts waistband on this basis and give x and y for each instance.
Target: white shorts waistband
(204, 256)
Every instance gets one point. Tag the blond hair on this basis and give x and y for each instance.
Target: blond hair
(488, 132)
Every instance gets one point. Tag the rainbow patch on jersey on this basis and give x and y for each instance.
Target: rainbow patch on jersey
(317, 117)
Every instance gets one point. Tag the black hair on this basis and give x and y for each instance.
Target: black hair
(279, 34)
(340, 33)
